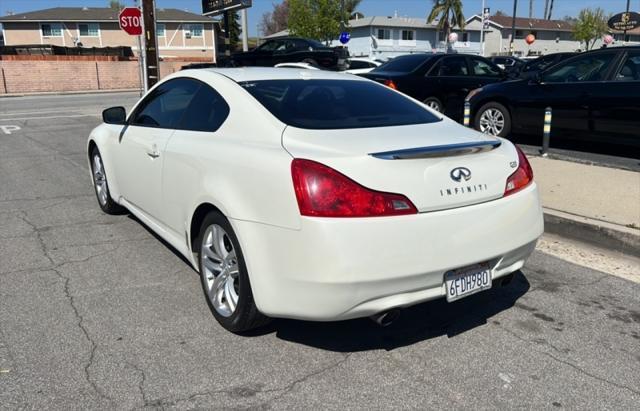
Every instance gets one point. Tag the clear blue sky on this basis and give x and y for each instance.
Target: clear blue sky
(410, 8)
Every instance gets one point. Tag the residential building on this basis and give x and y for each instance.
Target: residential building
(180, 33)
(551, 36)
(380, 37)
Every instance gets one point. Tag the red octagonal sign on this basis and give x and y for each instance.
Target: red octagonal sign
(130, 20)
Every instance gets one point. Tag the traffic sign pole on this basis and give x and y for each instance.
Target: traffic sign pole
(152, 66)
(130, 21)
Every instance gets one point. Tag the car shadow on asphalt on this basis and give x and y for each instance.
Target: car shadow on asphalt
(418, 323)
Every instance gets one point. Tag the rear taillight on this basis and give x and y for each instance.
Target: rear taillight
(323, 192)
(390, 84)
(522, 177)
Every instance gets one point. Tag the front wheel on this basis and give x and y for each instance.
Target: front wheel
(494, 119)
(101, 185)
(225, 281)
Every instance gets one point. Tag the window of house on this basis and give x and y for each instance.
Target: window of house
(195, 29)
(160, 29)
(89, 29)
(519, 34)
(465, 37)
(52, 30)
(408, 35)
(384, 34)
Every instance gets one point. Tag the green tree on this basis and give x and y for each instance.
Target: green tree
(449, 14)
(234, 29)
(590, 26)
(315, 19)
(116, 5)
(350, 9)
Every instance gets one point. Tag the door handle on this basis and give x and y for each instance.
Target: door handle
(154, 153)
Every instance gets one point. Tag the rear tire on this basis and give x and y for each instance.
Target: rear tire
(101, 185)
(224, 276)
(494, 119)
(434, 104)
(311, 61)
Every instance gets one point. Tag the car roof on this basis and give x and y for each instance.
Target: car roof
(243, 74)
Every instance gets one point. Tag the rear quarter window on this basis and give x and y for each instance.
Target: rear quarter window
(337, 104)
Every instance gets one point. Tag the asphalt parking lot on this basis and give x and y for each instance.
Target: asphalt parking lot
(97, 312)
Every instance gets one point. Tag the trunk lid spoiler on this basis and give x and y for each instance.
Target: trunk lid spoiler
(447, 150)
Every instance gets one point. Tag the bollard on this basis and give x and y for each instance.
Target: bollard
(467, 113)
(546, 132)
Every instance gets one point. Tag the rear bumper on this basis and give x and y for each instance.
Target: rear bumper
(334, 269)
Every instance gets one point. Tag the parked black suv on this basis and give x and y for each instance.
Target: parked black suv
(593, 96)
(441, 81)
(294, 50)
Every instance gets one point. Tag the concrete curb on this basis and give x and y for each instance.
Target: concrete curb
(596, 232)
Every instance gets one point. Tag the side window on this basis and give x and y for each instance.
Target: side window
(453, 66)
(483, 69)
(586, 68)
(166, 105)
(299, 45)
(630, 70)
(270, 45)
(206, 112)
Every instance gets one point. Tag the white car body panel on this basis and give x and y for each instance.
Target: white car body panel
(321, 268)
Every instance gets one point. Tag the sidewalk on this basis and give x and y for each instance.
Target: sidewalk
(599, 205)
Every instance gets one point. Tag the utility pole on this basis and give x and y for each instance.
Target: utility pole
(227, 37)
(546, 9)
(151, 69)
(482, 30)
(513, 26)
(530, 9)
(245, 30)
(550, 10)
(625, 31)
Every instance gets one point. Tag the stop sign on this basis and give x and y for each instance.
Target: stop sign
(130, 20)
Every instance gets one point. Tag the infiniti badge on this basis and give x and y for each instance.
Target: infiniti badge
(460, 173)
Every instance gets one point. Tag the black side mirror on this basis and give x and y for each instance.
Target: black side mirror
(115, 115)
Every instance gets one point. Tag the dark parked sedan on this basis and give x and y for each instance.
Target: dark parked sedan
(293, 50)
(533, 67)
(594, 95)
(441, 81)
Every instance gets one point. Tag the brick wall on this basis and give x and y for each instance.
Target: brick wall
(33, 76)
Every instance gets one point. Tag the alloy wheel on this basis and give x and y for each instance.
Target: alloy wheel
(100, 180)
(492, 122)
(434, 105)
(220, 270)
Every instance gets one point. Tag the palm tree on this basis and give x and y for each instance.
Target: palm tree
(350, 7)
(449, 14)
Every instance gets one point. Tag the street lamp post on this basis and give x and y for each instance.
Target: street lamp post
(513, 26)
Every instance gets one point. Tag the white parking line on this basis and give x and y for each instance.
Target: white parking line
(16, 113)
(46, 117)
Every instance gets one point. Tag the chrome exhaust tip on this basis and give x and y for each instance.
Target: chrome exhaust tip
(385, 318)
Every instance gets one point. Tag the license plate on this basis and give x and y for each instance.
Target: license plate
(466, 281)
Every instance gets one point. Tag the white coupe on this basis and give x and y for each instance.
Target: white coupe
(316, 195)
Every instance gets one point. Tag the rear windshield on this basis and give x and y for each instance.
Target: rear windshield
(337, 104)
(404, 64)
